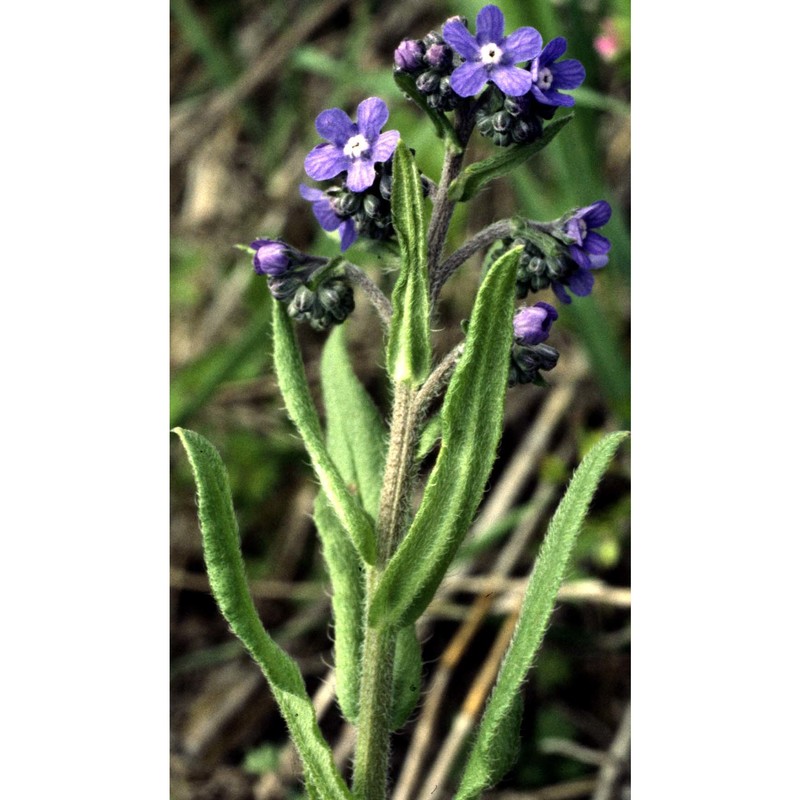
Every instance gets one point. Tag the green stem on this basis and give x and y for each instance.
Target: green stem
(372, 747)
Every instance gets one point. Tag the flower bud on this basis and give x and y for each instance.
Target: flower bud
(272, 256)
(532, 323)
(428, 82)
(439, 56)
(408, 55)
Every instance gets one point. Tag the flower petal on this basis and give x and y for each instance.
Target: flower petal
(335, 126)
(360, 175)
(523, 45)
(595, 244)
(580, 257)
(568, 74)
(468, 79)
(325, 215)
(598, 214)
(560, 292)
(325, 161)
(581, 282)
(552, 51)
(311, 194)
(383, 149)
(597, 262)
(511, 80)
(372, 115)
(490, 25)
(461, 40)
(347, 233)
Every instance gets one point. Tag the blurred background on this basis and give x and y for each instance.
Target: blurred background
(247, 80)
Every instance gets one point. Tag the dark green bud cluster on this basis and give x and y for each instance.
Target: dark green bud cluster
(509, 120)
(431, 62)
(528, 361)
(329, 303)
(537, 270)
(370, 210)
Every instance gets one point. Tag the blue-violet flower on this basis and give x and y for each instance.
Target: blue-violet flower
(532, 323)
(548, 75)
(589, 249)
(354, 147)
(491, 56)
(272, 256)
(322, 206)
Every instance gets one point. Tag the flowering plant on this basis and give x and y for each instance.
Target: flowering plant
(386, 558)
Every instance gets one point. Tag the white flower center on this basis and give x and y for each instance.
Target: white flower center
(545, 80)
(491, 54)
(356, 146)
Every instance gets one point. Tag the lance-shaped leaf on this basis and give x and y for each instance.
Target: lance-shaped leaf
(347, 600)
(294, 387)
(443, 126)
(472, 420)
(406, 677)
(409, 350)
(356, 434)
(229, 586)
(467, 185)
(356, 442)
(540, 597)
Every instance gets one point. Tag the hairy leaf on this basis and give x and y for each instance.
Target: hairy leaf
(472, 420)
(347, 601)
(356, 434)
(229, 586)
(467, 185)
(294, 387)
(356, 442)
(431, 434)
(407, 676)
(409, 349)
(540, 597)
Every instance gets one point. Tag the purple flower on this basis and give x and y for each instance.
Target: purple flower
(532, 323)
(490, 56)
(589, 250)
(353, 147)
(548, 76)
(272, 256)
(322, 207)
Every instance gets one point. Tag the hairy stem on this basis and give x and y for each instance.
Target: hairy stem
(372, 748)
(378, 299)
(491, 233)
(442, 209)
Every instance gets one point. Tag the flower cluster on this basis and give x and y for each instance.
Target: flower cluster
(565, 257)
(525, 80)
(529, 355)
(359, 205)
(302, 282)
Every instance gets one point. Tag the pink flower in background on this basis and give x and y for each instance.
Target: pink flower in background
(608, 43)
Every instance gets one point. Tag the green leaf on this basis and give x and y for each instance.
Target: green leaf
(537, 606)
(347, 600)
(472, 420)
(229, 586)
(431, 434)
(409, 349)
(407, 676)
(444, 129)
(467, 185)
(356, 440)
(357, 435)
(294, 387)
